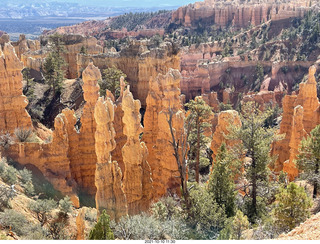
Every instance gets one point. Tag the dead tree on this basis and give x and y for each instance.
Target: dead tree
(180, 146)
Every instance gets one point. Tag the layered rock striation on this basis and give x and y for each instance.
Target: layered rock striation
(237, 13)
(110, 193)
(137, 174)
(12, 102)
(140, 61)
(164, 93)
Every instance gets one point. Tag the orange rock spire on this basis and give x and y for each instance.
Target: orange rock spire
(164, 92)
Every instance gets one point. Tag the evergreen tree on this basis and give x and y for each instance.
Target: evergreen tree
(102, 230)
(54, 63)
(291, 207)
(111, 81)
(234, 227)
(259, 76)
(83, 50)
(221, 184)
(309, 159)
(199, 115)
(205, 215)
(256, 141)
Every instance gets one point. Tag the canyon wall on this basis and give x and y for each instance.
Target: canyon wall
(80, 161)
(164, 93)
(140, 62)
(300, 116)
(203, 71)
(239, 14)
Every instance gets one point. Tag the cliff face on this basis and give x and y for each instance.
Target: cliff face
(203, 71)
(140, 62)
(164, 92)
(33, 56)
(239, 14)
(226, 119)
(74, 44)
(12, 102)
(300, 116)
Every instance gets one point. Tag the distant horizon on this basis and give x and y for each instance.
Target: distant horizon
(114, 3)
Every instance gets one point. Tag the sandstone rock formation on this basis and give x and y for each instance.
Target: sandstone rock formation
(51, 159)
(74, 44)
(239, 13)
(139, 61)
(137, 174)
(226, 120)
(83, 164)
(203, 71)
(24, 45)
(33, 57)
(163, 94)
(300, 116)
(108, 175)
(80, 225)
(12, 102)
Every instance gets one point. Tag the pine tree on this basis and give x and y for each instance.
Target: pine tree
(291, 207)
(309, 159)
(111, 81)
(83, 50)
(54, 64)
(200, 113)
(102, 230)
(221, 184)
(256, 141)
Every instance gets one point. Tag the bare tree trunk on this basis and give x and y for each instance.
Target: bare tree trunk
(315, 185)
(180, 147)
(198, 152)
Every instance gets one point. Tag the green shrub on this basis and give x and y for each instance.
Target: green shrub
(292, 206)
(25, 176)
(65, 205)
(166, 208)
(17, 221)
(10, 175)
(24, 134)
(6, 140)
(143, 226)
(2, 166)
(28, 188)
(224, 107)
(42, 208)
(6, 194)
(91, 214)
(36, 232)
